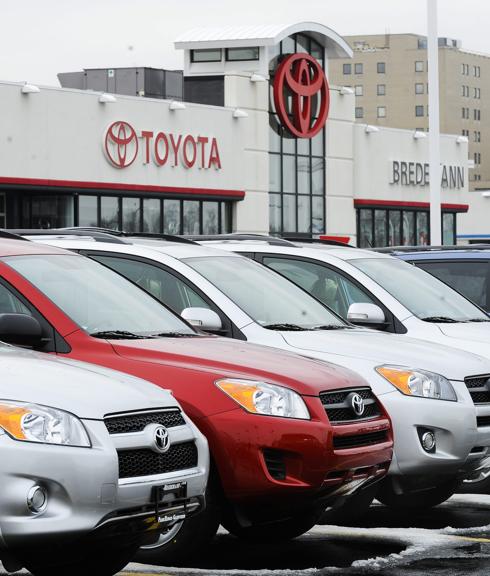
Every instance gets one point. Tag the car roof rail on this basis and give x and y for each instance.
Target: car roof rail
(326, 241)
(11, 235)
(129, 235)
(94, 234)
(445, 248)
(272, 240)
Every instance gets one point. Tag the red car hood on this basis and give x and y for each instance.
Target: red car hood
(224, 357)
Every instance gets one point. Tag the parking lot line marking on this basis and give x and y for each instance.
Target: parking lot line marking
(130, 573)
(470, 539)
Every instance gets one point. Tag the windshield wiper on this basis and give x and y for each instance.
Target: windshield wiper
(285, 327)
(118, 335)
(478, 320)
(175, 335)
(330, 327)
(440, 320)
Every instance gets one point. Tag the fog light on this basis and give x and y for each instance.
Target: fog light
(428, 441)
(37, 499)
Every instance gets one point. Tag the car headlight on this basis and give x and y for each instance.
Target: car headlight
(418, 382)
(35, 423)
(263, 398)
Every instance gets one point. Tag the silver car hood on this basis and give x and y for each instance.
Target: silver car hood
(84, 389)
(334, 345)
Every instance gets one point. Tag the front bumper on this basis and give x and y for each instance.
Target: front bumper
(460, 444)
(85, 494)
(315, 472)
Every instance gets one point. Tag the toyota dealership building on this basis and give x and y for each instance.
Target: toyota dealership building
(250, 137)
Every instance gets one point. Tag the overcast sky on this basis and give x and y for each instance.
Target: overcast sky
(42, 37)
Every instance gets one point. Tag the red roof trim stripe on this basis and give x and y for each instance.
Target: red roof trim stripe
(238, 194)
(400, 204)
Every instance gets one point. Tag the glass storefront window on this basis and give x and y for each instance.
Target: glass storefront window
(109, 212)
(275, 173)
(210, 217)
(422, 230)
(304, 172)
(275, 213)
(87, 211)
(380, 228)
(304, 214)
(408, 228)
(191, 217)
(365, 229)
(394, 228)
(317, 215)
(131, 213)
(448, 228)
(318, 176)
(288, 174)
(171, 216)
(49, 211)
(151, 215)
(289, 213)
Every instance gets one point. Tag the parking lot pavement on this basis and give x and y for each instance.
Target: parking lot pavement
(450, 540)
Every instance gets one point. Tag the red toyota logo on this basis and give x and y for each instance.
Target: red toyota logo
(121, 144)
(301, 81)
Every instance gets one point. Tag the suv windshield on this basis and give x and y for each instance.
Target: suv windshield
(99, 300)
(265, 296)
(422, 294)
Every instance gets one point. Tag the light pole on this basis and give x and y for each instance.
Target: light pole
(434, 125)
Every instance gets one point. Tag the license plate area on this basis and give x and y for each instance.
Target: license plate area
(169, 492)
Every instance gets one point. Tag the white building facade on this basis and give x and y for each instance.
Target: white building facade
(280, 154)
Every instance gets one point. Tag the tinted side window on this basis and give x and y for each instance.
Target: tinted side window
(469, 278)
(328, 286)
(158, 282)
(10, 304)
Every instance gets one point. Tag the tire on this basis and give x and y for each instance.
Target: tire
(275, 531)
(481, 487)
(186, 539)
(420, 499)
(355, 507)
(102, 560)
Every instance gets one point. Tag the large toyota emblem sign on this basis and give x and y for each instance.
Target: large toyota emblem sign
(121, 144)
(301, 95)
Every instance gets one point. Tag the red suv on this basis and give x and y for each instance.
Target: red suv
(288, 435)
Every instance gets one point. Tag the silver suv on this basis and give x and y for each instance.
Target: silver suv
(94, 464)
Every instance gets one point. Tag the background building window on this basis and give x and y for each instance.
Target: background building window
(206, 55)
(381, 111)
(347, 68)
(381, 90)
(419, 88)
(419, 110)
(359, 91)
(359, 112)
(358, 68)
(237, 54)
(381, 67)
(419, 66)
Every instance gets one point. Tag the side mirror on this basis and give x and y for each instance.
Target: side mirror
(202, 318)
(364, 313)
(20, 329)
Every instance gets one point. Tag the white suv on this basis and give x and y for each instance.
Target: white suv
(422, 385)
(76, 445)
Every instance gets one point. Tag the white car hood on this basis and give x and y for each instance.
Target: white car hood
(83, 389)
(476, 331)
(336, 345)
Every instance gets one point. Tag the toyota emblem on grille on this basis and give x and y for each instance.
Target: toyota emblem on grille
(357, 404)
(161, 439)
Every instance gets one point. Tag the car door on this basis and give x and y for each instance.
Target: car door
(333, 288)
(165, 284)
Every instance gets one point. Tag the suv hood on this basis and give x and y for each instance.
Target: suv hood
(352, 344)
(83, 389)
(223, 357)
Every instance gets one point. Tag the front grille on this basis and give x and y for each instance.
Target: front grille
(137, 422)
(276, 466)
(483, 421)
(133, 463)
(338, 407)
(479, 389)
(342, 442)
